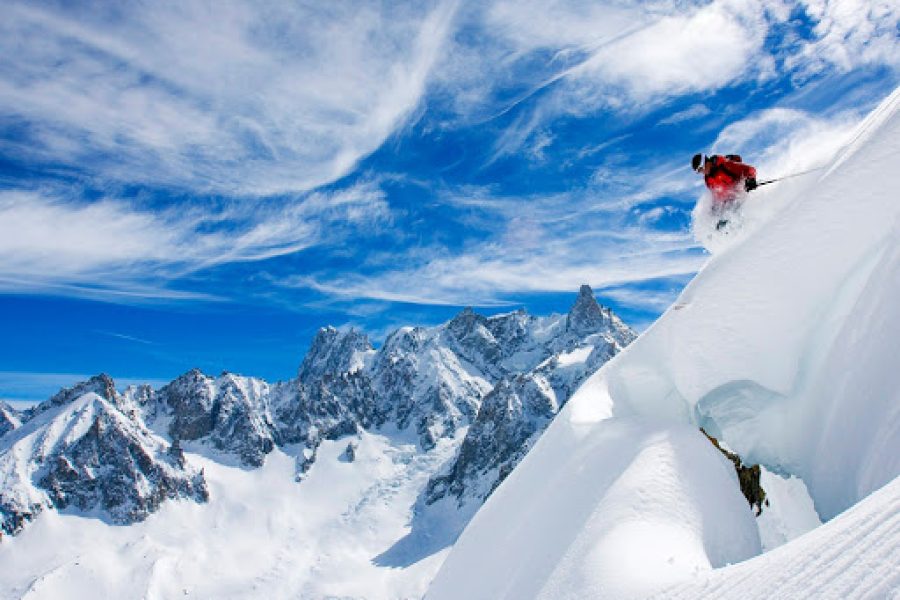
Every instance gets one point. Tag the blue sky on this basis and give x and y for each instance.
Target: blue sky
(206, 184)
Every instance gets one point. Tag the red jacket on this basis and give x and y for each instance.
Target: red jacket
(725, 179)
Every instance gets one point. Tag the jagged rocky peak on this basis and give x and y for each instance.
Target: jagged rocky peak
(469, 335)
(513, 415)
(189, 401)
(586, 315)
(9, 418)
(119, 467)
(510, 328)
(466, 321)
(334, 351)
(139, 395)
(230, 413)
(404, 340)
(89, 455)
(101, 384)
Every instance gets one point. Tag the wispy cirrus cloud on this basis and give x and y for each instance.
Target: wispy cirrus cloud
(537, 244)
(492, 274)
(109, 249)
(242, 98)
(600, 57)
(250, 107)
(695, 111)
(848, 34)
(786, 141)
(630, 58)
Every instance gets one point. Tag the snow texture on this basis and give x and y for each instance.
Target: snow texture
(595, 510)
(784, 347)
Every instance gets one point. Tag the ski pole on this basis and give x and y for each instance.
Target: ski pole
(762, 183)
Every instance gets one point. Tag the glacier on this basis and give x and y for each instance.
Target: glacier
(784, 347)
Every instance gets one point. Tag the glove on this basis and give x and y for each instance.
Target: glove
(750, 184)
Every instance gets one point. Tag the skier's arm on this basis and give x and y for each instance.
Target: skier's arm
(749, 174)
(741, 173)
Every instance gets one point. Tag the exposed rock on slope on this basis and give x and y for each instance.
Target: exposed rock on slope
(230, 413)
(9, 419)
(84, 451)
(748, 477)
(519, 408)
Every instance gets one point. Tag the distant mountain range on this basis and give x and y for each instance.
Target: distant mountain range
(119, 455)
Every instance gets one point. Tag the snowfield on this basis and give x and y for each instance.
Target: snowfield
(260, 536)
(785, 347)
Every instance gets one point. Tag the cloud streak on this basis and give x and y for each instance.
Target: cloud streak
(537, 244)
(242, 98)
(612, 57)
(109, 249)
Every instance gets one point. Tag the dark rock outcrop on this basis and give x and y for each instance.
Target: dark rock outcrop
(748, 477)
(9, 419)
(117, 467)
(229, 412)
(333, 352)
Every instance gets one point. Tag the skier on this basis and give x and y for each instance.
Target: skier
(727, 178)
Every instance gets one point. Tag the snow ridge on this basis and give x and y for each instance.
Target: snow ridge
(784, 348)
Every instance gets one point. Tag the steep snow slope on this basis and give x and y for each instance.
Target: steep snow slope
(785, 347)
(855, 555)
(601, 509)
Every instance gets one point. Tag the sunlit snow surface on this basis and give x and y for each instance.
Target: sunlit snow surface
(785, 346)
(260, 536)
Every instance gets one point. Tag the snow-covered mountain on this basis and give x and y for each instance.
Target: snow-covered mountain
(521, 405)
(88, 448)
(9, 418)
(388, 424)
(784, 348)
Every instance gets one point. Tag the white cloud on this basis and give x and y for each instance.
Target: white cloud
(692, 50)
(112, 250)
(253, 99)
(242, 97)
(539, 244)
(849, 34)
(484, 277)
(577, 57)
(601, 56)
(694, 111)
(785, 141)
